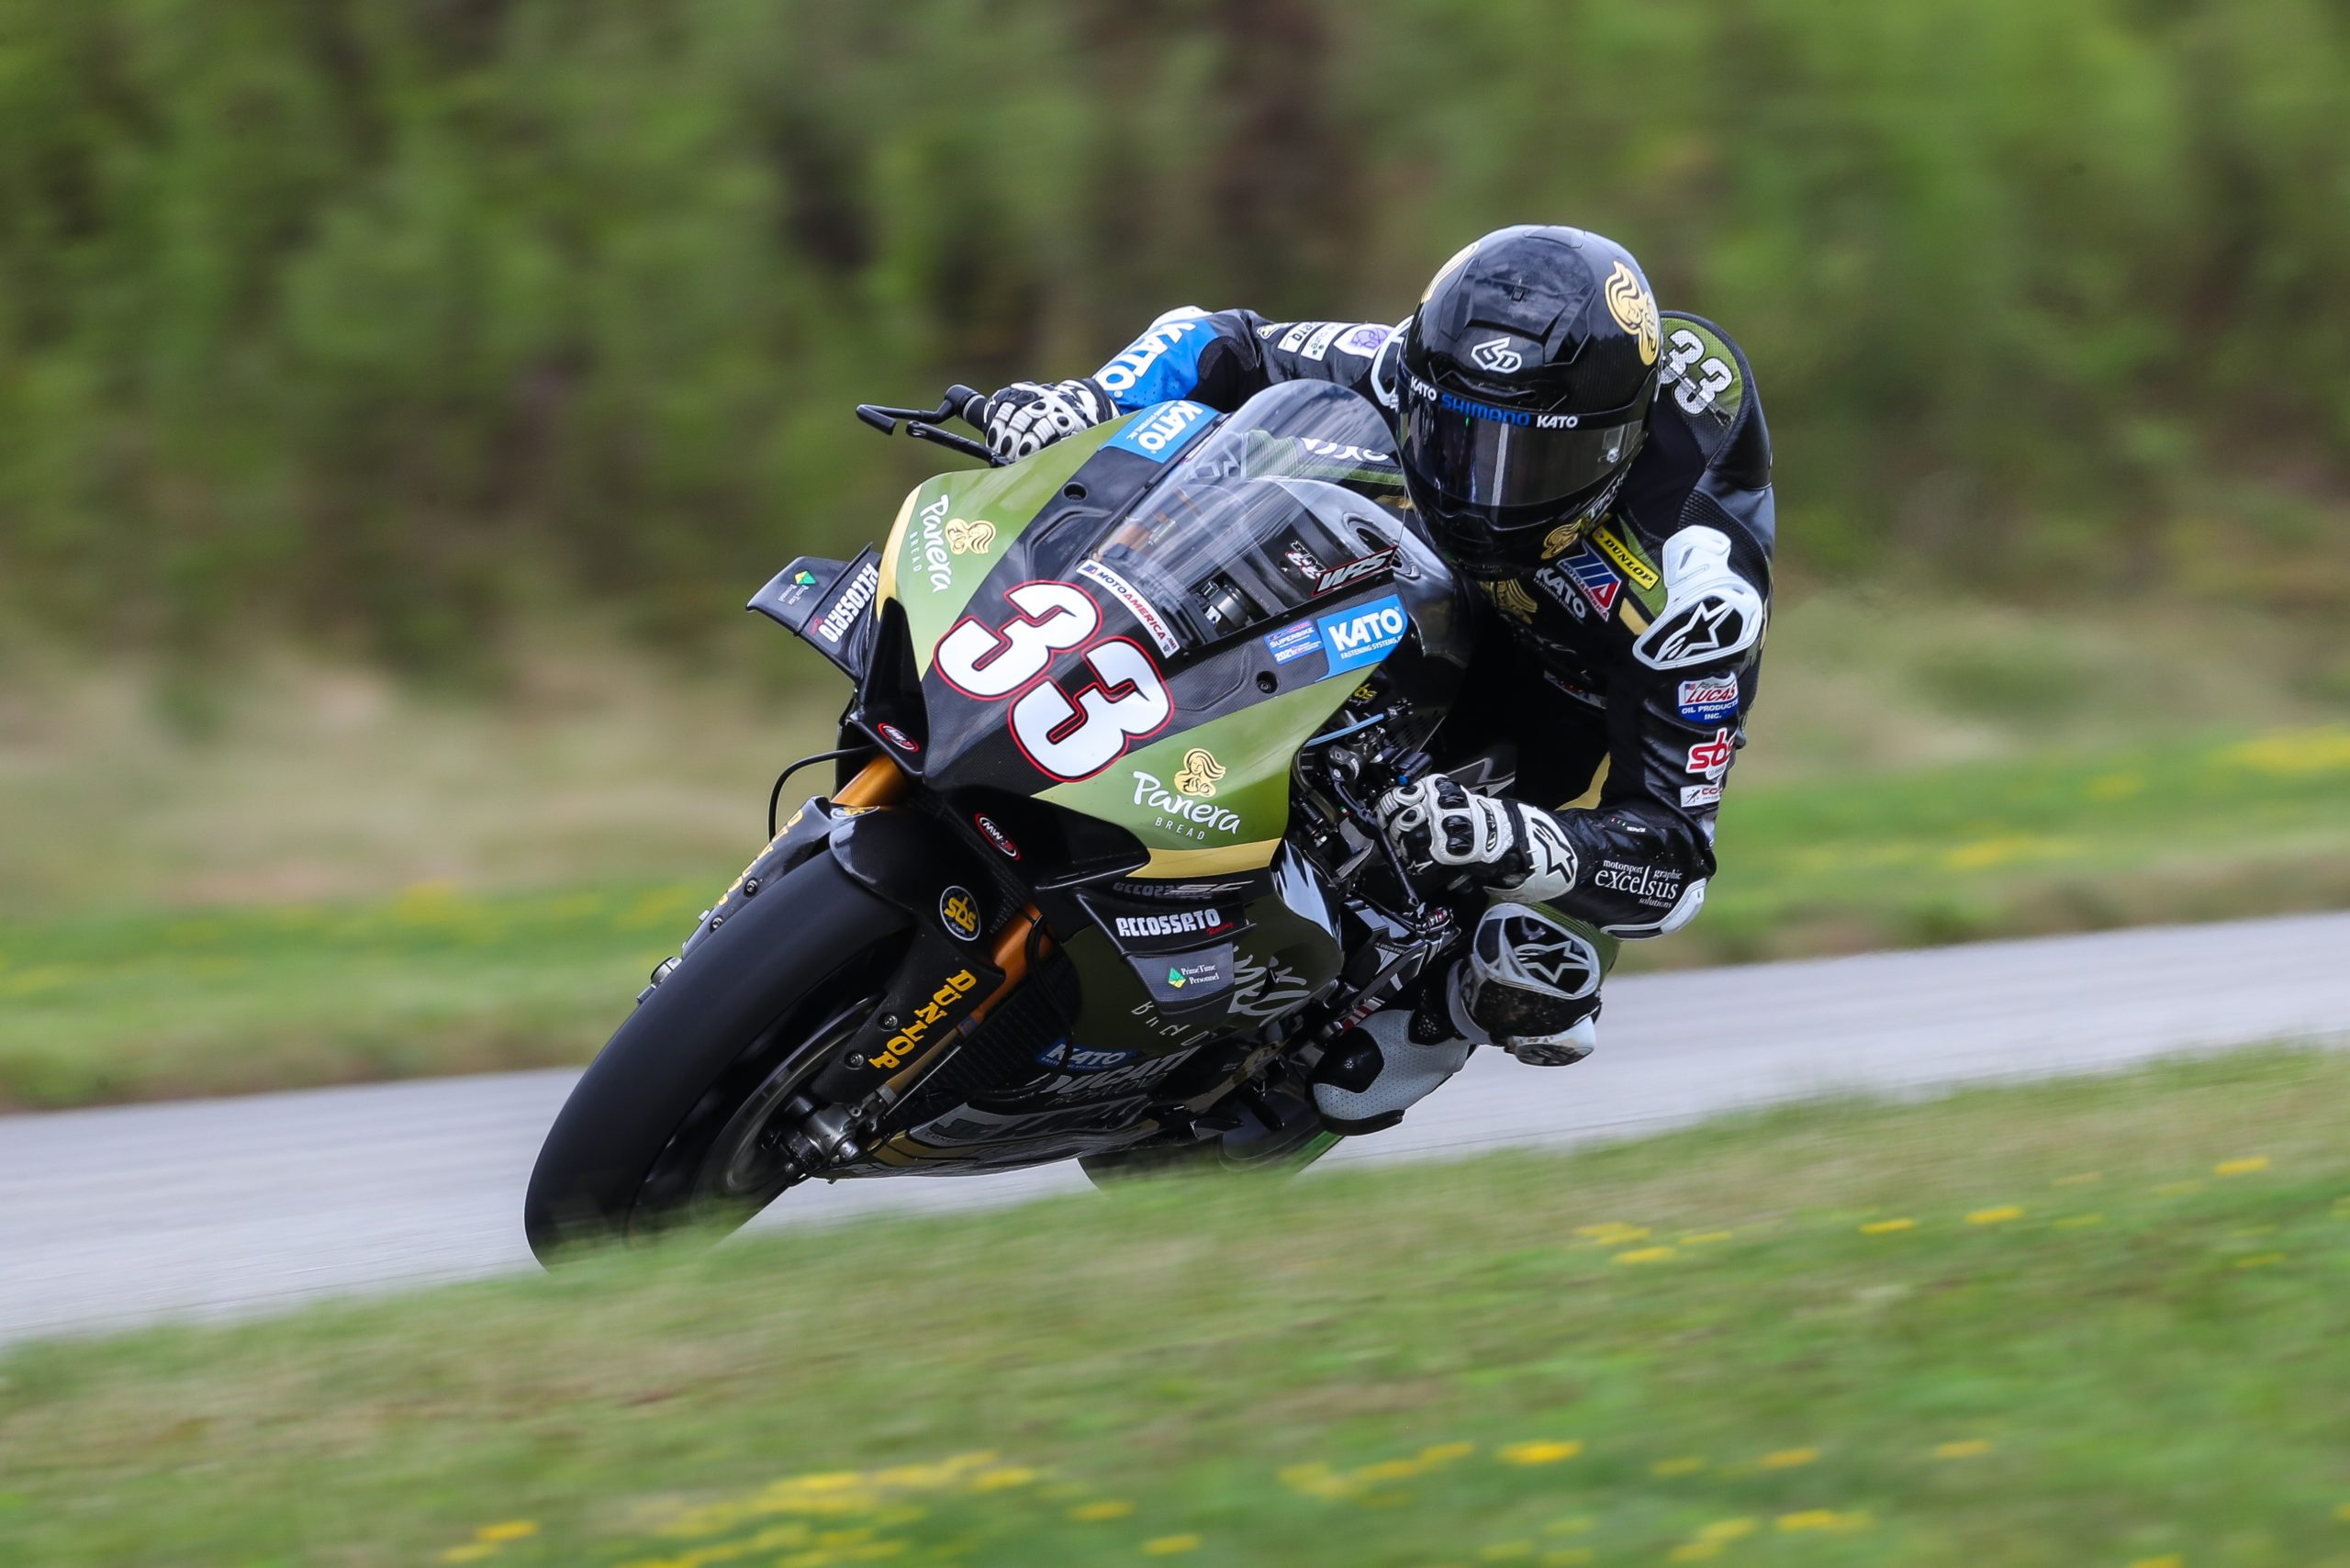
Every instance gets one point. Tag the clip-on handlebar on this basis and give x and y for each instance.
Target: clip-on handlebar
(922, 424)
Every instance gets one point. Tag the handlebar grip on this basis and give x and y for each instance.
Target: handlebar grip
(967, 405)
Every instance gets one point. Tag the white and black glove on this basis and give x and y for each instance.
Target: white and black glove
(1518, 851)
(1029, 416)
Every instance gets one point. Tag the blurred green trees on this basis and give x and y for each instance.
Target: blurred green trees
(378, 317)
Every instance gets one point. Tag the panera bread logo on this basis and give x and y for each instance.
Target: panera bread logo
(1150, 791)
(1199, 773)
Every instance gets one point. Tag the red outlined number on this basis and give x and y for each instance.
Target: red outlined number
(1073, 736)
(981, 661)
(1066, 735)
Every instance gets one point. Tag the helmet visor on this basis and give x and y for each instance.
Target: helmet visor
(1502, 460)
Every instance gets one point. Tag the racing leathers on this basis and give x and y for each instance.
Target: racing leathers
(1619, 674)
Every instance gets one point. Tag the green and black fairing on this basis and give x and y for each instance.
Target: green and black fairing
(1258, 567)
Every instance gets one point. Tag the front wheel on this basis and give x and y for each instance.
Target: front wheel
(672, 1120)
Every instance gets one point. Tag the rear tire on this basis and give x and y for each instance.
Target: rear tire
(626, 1154)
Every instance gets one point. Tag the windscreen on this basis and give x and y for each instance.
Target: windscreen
(1289, 500)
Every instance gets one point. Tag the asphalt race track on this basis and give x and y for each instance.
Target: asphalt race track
(234, 1206)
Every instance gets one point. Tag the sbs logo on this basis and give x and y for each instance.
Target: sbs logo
(1199, 773)
(1634, 308)
(959, 913)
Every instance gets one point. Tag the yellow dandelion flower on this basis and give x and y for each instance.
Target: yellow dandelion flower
(2244, 1167)
(1646, 1255)
(472, 1552)
(1695, 1551)
(2171, 1561)
(1887, 1227)
(1445, 1453)
(1546, 1451)
(1965, 1448)
(1003, 1478)
(511, 1529)
(2116, 786)
(2342, 1512)
(2000, 1215)
(1686, 1465)
(2260, 1259)
(2077, 1222)
(1822, 1519)
(1170, 1545)
(1107, 1508)
(1727, 1530)
(1788, 1459)
(1388, 1470)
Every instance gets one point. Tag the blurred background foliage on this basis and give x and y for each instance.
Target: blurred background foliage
(387, 323)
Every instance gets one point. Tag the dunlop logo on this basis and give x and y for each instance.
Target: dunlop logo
(1631, 565)
(931, 1015)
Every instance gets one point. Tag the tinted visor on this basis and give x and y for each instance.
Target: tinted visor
(1476, 455)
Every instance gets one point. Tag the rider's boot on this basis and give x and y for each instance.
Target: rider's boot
(1529, 984)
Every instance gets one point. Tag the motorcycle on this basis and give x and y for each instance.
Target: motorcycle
(1097, 878)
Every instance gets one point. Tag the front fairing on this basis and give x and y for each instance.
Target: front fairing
(1251, 568)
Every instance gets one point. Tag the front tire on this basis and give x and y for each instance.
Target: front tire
(631, 1150)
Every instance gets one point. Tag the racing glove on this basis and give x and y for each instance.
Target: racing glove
(1029, 416)
(1519, 853)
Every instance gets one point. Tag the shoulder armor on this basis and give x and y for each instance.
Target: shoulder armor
(1711, 614)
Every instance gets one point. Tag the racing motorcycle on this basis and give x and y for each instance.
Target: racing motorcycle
(1097, 877)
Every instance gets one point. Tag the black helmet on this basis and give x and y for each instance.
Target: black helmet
(1524, 393)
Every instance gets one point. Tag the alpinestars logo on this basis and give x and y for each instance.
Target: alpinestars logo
(1496, 355)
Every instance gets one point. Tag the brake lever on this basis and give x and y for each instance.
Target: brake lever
(924, 424)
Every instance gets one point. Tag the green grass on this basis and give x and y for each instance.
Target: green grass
(99, 1006)
(2085, 1324)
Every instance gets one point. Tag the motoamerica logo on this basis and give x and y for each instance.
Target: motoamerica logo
(1150, 791)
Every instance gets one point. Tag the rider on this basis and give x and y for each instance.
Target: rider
(1603, 474)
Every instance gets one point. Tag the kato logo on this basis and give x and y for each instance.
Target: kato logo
(931, 1015)
(1365, 634)
(959, 913)
(1158, 432)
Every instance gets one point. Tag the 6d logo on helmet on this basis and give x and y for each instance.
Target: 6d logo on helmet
(959, 913)
(930, 1015)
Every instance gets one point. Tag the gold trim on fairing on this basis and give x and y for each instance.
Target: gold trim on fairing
(896, 546)
(1180, 863)
(1633, 617)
